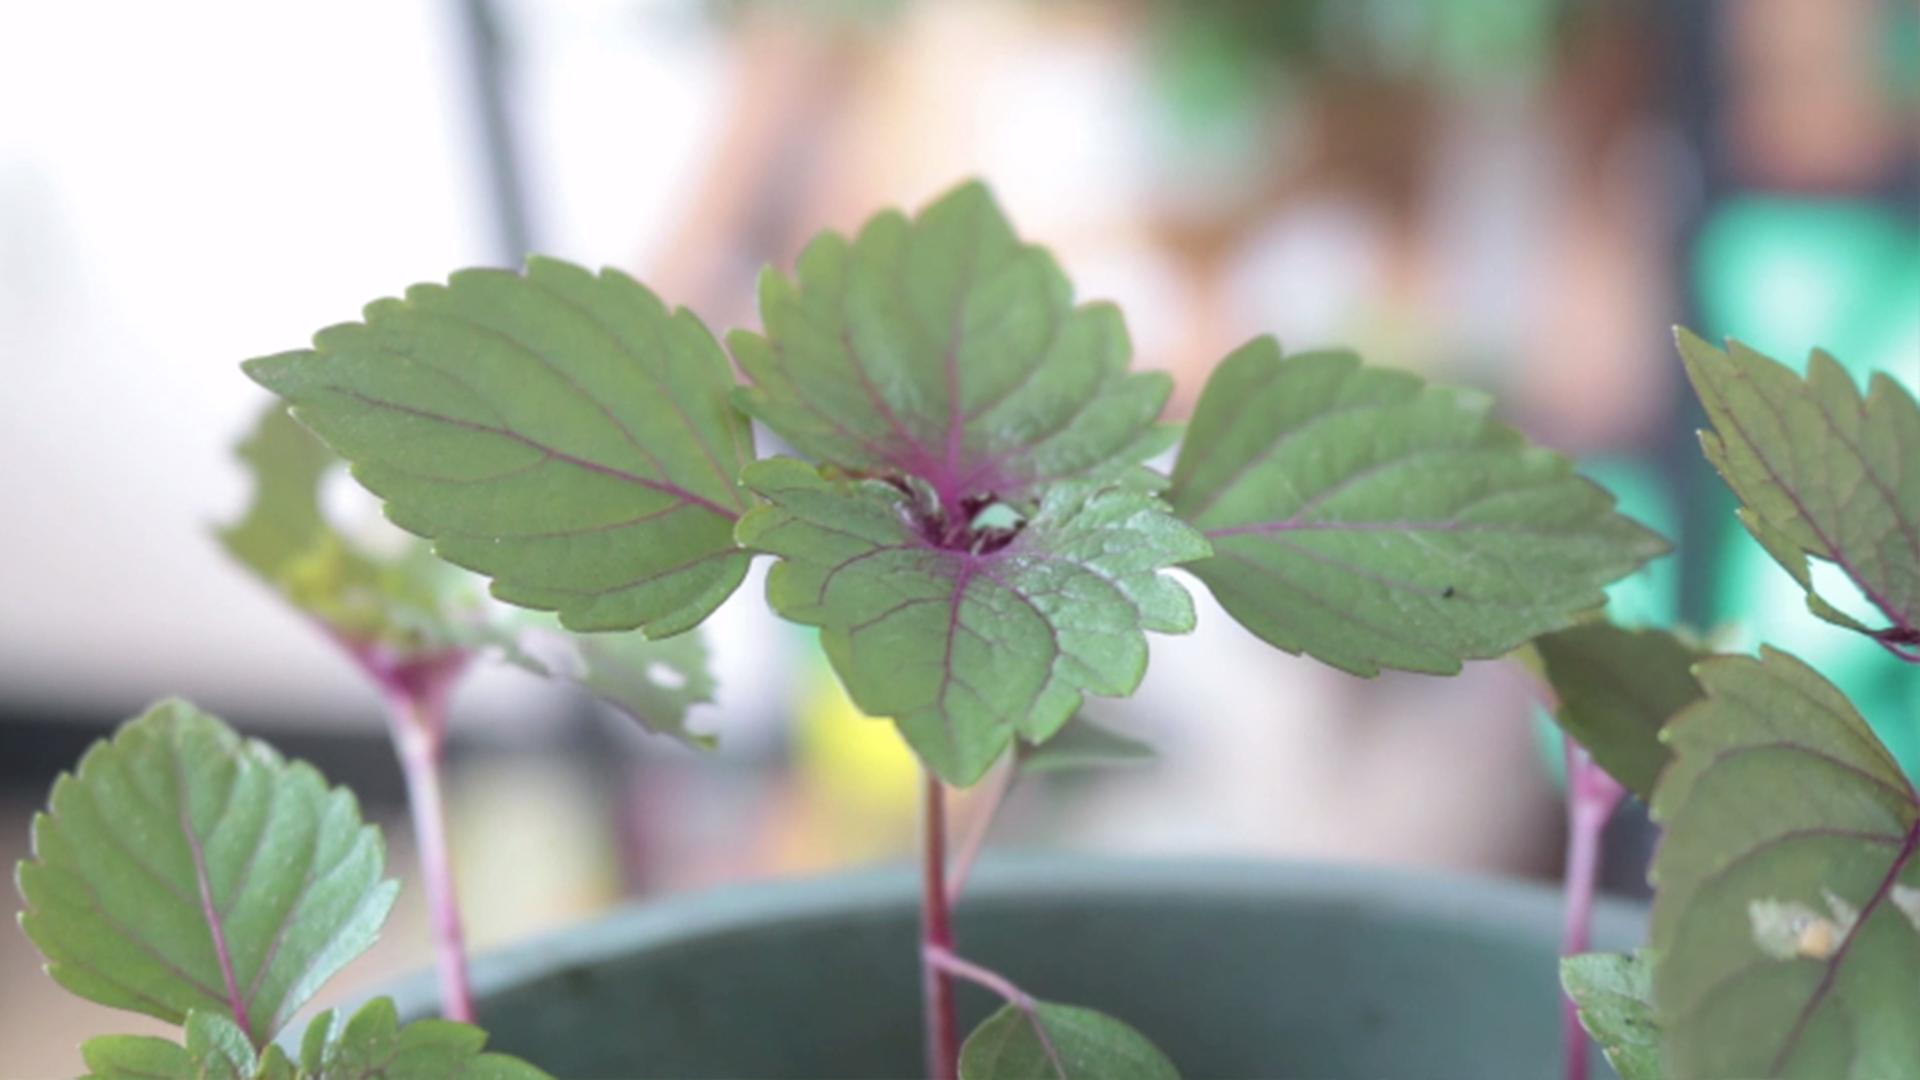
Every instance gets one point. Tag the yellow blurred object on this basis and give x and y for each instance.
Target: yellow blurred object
(852, 761)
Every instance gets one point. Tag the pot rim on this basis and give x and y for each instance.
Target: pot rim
(1494, 905)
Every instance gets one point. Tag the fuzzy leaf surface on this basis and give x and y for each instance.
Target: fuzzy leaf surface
(1614, 993)
(1786, 914)
(177, 842)
(1370, 520)
(559, 431)
(1823, 471)
(1617, 689)
(967, 648)
(1087, 1046)
(945, 348)
(372, 1044)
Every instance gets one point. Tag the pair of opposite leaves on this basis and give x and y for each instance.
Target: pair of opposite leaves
(1786, 917)
(976, 539)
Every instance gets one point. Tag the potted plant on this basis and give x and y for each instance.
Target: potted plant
(977, 538)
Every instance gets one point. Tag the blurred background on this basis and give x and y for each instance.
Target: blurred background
(1519, 194)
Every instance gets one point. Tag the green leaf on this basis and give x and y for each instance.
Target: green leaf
(943, 347)
(407, 601)
(559, 431)
(1082, 744)
(966, 647)
(1617, 690)
(1614, 993)
(137, 1057)
(1086, 1045)
(275, 1065)
(182, 868)
(219, 1049)
(1369, 520)
(1824, 473)
(413, 603)
(1785, 938)
(372, 1045)
(654, 682)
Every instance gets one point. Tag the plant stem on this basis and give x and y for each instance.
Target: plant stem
(979, 824)
(936, 937)
(953, 964)
(416, 690)
(1592, 797)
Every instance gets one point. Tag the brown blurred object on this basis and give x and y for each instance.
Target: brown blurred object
(794, 76)
(1368, 137)
(1807, 111)
(1594, 375)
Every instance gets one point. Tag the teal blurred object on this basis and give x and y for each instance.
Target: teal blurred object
(1456, 41)
(1235, 969)
(1785, 275)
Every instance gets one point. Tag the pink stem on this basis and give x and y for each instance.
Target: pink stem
(1592, 797)
(936, 936)
(978, 826)
(947, 961)
(416, 689)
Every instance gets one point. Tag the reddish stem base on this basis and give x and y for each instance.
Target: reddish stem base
(1592, 797)
(936, 938)
(416, 689)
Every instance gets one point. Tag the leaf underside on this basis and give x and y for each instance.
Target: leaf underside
(943, 347)
(1823, 472)
(398, 607)
(965, 649)
(1787, 895)
(177, 838)
(1082, 744)
(656, 683)
(1370, 520)
(558, 431)
(1614, 993)
(1087, 1045)
(408, 602)
(1617, 689)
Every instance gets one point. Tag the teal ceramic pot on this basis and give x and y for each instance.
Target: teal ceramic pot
(1236, 969)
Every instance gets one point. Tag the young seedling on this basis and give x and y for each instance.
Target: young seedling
(972, 530)
(413, 625)
(184, 872)
(1786, 916)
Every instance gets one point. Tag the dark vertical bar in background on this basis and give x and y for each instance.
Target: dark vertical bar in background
(1698, 497)
(488, 63)
(588, 744)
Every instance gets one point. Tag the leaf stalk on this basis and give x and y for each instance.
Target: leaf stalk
(936, 937)
(417, 691)
(979, 824)
(960, 967)
(1592, 798)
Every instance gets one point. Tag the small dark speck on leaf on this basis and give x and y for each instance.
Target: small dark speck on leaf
(1446, 593)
